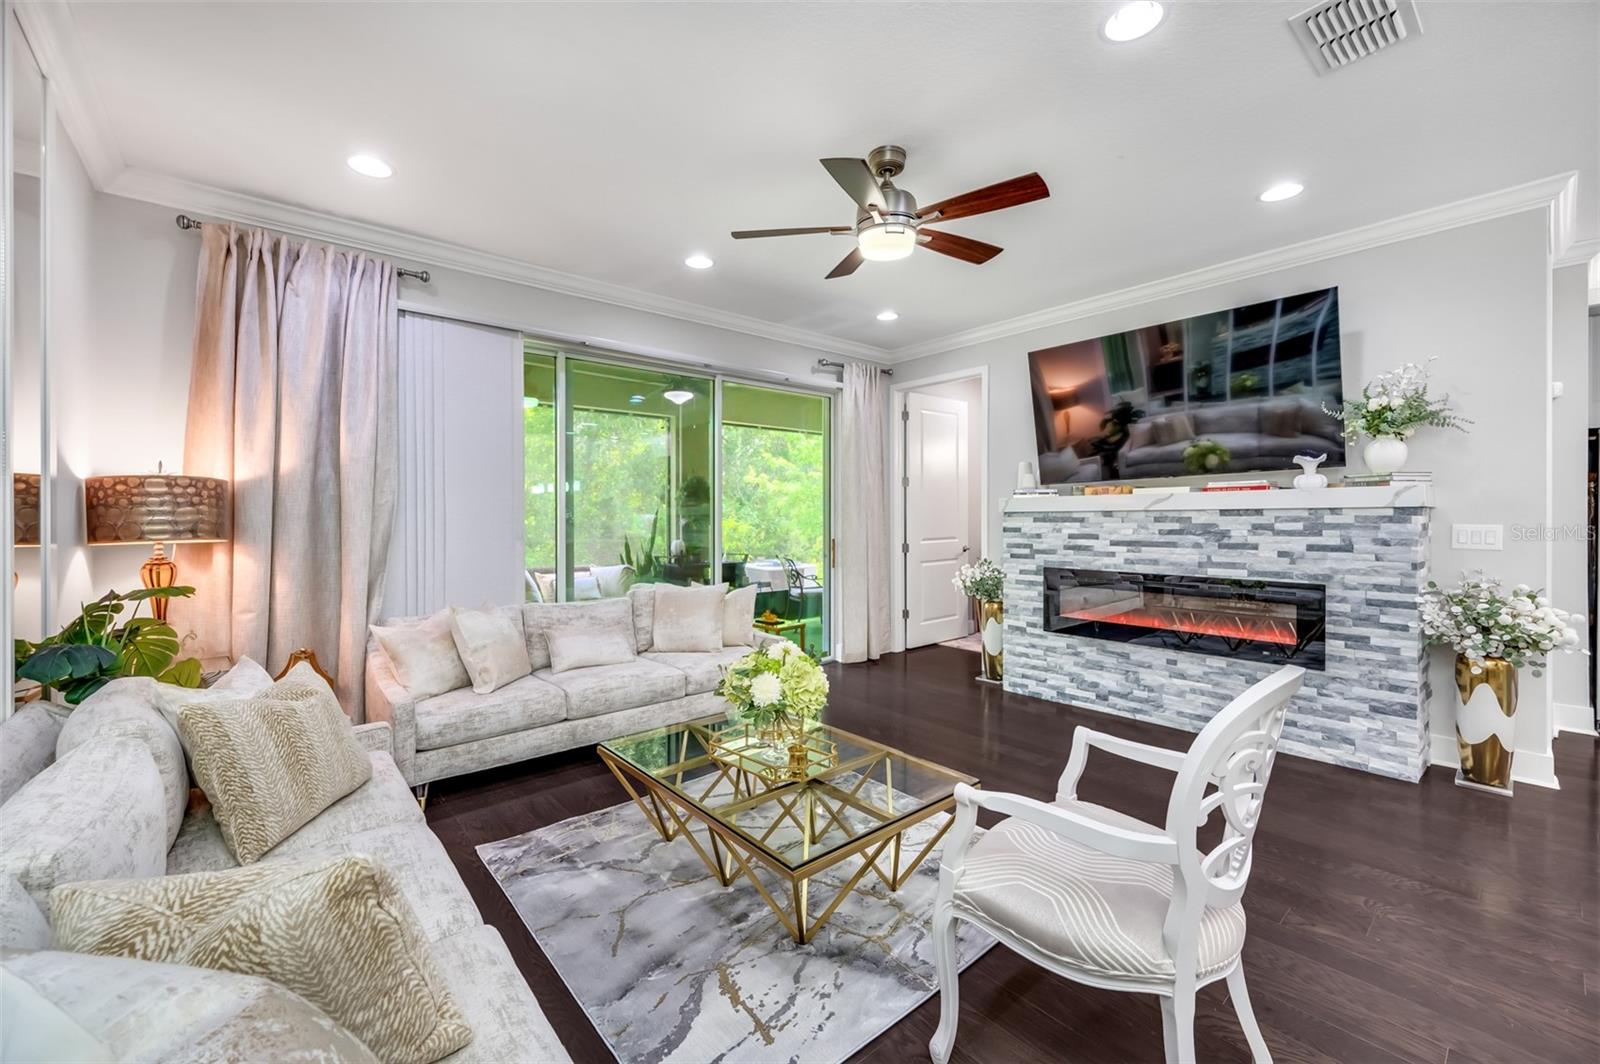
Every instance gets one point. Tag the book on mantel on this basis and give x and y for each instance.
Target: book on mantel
(1238, 485)
(1378, 480)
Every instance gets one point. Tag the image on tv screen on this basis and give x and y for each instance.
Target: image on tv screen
(1236, 391)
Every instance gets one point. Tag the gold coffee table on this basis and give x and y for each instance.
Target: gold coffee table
(734, 798)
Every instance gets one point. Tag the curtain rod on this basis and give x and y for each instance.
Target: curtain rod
(828, 363)
(186, 222)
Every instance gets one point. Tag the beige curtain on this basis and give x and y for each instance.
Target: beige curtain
(863, 516)
(292, 399)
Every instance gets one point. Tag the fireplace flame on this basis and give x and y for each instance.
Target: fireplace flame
(1259, 629)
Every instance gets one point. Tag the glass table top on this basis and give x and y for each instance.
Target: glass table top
(852, 788)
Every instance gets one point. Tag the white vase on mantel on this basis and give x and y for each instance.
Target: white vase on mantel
(1384, 455)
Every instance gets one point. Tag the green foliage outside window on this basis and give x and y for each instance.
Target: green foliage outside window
(773, 485)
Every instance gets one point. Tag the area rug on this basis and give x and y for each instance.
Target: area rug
(972, 641)
(671, 966)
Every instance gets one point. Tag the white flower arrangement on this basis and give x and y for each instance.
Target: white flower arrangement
(1396, 404)
(777, 686)
(1480, 620)
(985, 581)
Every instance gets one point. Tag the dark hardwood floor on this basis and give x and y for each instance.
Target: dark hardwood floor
(1388, 921)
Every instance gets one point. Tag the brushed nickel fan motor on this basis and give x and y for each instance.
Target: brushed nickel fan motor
(887, 161)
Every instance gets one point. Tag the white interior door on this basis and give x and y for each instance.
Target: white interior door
(937, 504)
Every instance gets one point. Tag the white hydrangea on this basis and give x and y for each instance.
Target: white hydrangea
(766, 689)
(1479, 620)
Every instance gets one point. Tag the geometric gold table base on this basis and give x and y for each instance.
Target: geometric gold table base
(812, 806)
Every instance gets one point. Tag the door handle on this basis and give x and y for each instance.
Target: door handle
(965, 549)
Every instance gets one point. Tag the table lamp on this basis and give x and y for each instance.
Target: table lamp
(156, 508)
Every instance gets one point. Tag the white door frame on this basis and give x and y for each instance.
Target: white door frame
(897, 495)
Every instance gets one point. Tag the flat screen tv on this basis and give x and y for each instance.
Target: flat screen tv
(1237, 391)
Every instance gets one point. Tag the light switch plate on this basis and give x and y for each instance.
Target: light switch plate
(1478, 537)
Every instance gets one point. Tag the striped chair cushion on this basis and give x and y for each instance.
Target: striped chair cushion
(1084, 909)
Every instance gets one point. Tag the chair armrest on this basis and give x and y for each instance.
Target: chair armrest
(389, 702)
(1152, 846)
(375, 737)
(1084, 738)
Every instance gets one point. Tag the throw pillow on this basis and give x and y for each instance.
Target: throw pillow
(581, 649)
(614, 580)
(334, 930)
(1281, 418)
(424, 656)
(1173, 428)
(738, 617)
(271, 762)
(688, 619)
(643, 598)
(585, 588)
(538, 618)
(491, 646)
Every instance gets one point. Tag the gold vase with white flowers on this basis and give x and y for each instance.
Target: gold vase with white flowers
(1494, 633)
(986, 582)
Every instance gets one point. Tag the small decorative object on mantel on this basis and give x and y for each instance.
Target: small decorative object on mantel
(1309, 479)
(778, 691)
(1027, 479)
(1494, 633)
(986, 582)
(1389, 412)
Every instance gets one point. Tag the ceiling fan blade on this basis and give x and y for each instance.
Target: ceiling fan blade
(747, 234)
(1018, 190)
(848, 265)
(855, 177)
(959, 247)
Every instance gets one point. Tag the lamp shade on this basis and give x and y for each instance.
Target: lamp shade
(156, 508)
(25, 509)
(1064, 398)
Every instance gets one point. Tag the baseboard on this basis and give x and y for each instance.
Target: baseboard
(1571, 717)
(1535, 768)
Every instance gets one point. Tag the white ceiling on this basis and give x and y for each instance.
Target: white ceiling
(610, 140)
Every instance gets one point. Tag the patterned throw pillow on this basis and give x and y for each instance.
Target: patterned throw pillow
(334, 930)
(271, 762)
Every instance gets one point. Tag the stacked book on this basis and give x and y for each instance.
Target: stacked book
(1238, 485)
(1378, 480)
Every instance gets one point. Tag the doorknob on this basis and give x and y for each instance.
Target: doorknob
(965, 549)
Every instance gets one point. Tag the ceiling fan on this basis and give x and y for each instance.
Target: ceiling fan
(890, 225)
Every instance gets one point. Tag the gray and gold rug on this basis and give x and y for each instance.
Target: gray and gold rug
(672, 966)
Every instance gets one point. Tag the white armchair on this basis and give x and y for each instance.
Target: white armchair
(1104, 899)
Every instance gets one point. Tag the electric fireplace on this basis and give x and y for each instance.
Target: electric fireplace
(1258, 620)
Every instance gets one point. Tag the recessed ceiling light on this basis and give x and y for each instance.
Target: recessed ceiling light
(699, 262)
(1132, 21)
(887, 315)
(677, 396)
(1281, 191)
(369, 166)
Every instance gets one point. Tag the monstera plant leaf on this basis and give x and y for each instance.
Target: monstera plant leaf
(148, 647)
(185, 673)
(57, 666)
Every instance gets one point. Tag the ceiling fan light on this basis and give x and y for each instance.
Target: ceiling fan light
(677, 396)
(886, 241)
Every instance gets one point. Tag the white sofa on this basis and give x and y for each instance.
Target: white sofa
(462, 731)
(114, 802)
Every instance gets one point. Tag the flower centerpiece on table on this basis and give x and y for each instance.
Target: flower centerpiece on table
(777, 689)
(1494, 633)
(1390, 410)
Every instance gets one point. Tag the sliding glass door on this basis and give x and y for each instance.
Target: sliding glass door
(775, 505)
(644, 474)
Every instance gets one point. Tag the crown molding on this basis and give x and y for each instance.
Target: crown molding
(1555, 193)
(209, 201)
(53, 36)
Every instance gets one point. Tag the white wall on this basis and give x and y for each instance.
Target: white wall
(1567, 533)
(1478, 297)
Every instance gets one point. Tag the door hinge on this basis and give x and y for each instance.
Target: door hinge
(905, 615)
(905, 482)
(905, 548)
(905, 413)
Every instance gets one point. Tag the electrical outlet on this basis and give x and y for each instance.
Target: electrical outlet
(1478, 537)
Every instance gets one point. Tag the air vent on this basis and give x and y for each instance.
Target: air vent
(1340, 32)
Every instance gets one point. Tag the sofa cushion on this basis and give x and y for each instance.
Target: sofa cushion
(383, 801)
(270, 763)
(98, 813)
(22, 922)
(538, 617)
(27, 746)
(1227, 418)
(506, 1021)
(424, 655)
(243, 680)
(464, 715)
(83, 1007)
(1171, 428)
(608, 688)
(1281, 417)
(336, 931)
(126, 706)
(689, 618)
(643, 599)
(701, 671)
(491, 645)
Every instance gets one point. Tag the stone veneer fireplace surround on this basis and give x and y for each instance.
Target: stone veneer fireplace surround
(1366, 547)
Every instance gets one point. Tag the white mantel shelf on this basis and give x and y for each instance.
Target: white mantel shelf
(1385, 497)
